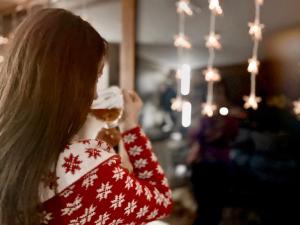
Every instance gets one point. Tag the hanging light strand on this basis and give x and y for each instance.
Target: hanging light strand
(182, 43)
(255, 31)
(213, 43)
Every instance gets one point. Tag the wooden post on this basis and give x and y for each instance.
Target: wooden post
(127, 68)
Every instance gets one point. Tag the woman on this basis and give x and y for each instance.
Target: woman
(47, 85)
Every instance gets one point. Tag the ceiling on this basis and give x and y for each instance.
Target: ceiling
(158, 23)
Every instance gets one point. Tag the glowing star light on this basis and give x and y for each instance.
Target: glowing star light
(208, 109)
(183, 6)
(256, 30)
(181, 41)
(213, 41)
(3, 40)
(253, 66)
(212, 74)
(177, 104)
(214, 5)
(296, 107)
(251, 101)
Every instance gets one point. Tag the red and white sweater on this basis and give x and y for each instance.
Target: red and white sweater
(93, 187)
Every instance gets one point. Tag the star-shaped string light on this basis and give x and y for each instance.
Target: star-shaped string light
(184, 6)
(208, 109)
(212, 74)
(213, 41)
(214, 6)
(182, 41)
(255, 32)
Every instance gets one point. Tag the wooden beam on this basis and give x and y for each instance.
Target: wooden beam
(127, 68)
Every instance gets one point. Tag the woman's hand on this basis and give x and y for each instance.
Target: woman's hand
(132, 108)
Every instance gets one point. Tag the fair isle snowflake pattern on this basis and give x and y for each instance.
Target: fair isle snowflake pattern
(118, 173)
(88, 214)
(166, 202)
(159, 197)
(148, 194)
(165, 182)
(153, 214)
(69, 191)
(130, 207)
(72, 163)
(148, 145)
(145, 175)
(140, 163)
(153, 157)
(104, 191)
(72, 206)
(129, 138)
(159, 170)
(112, 162)
(135, 151)
(128, 183)
(138, 188)
(75, 222)
(142, 212)
(116, 222)
(117, 202)
(102, 219)
(89, 179)
(93, 153)
(46, 217)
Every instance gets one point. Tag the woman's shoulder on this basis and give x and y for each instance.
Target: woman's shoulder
(77, 159)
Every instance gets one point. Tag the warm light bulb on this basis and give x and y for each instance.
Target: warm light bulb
(256, 30)
(213, 41)
(253, 66)
(3, 40)
(186, 114)
(212, 74)
(224, 111)
(260, 2)
(208, 109)
(177, 104)
(185, 74)
(251, 101)
(214, 5)
(182, 41)
(183, 6)
(296, 107)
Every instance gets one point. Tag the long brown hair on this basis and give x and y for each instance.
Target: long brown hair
(47, 85)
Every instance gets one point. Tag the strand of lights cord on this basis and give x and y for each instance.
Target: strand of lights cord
(183, 74)
(255, 32)
(212, 74)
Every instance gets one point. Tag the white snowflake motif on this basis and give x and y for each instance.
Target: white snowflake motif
(67, 192)
(148, 194)
(159, 198)
(89, 179)
(75, 222)
(104, 191)
(112, 162)
(165, 182)
(88, 214)
(118, 173)
(72, 207)
(159, 170)
(148, 145)
(135, 150)
(153, 157)
(142, 134)
(117, 202)
(140, 163)
(166, 202)
(142, 212)
(116, 222)
(153, 214)
(169, 194)
(139, 189)
(130, 207)
(145, 175)
(128, 183)
(102, 219)
(46, 217)
(129, 138)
